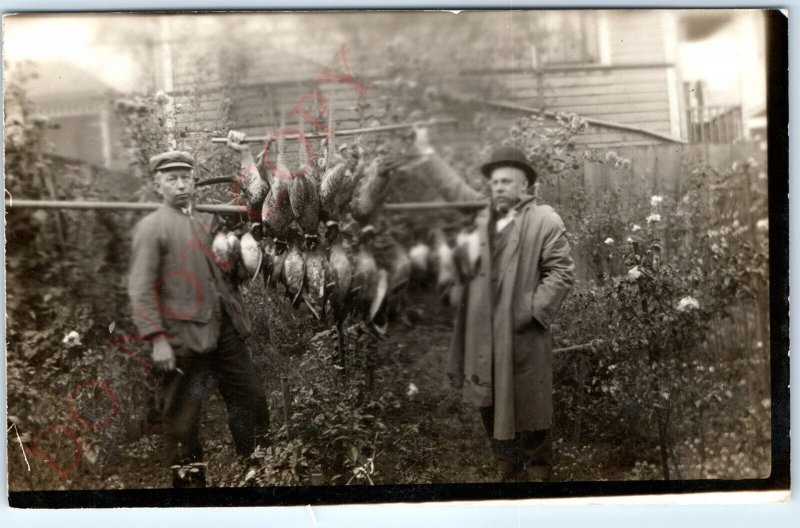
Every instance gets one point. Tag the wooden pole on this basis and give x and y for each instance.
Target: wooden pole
(222, 208)
(576, 348)
(434, 206)
(350, 132)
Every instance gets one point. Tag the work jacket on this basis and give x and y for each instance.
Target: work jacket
(175, 284)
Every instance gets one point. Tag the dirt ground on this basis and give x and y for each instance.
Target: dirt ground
(441, 439)
(447, 442)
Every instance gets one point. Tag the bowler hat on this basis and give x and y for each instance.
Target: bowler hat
(174, 159)
(509, 157)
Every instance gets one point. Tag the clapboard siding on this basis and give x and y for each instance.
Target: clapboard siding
(526, 79)
(637, 36)
(607, 98)
(276, 76)
(632, 97)
(576, 92)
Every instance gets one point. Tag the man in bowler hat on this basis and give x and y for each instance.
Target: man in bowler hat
(501, 352)
(195, 320)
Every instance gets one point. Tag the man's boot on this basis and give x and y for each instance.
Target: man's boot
(189, 476)
(250, 467)
(509, 471)
(538, 473)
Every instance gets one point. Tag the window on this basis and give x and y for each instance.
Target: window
(535, 38)
(567, 37)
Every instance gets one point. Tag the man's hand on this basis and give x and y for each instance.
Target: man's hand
(236, 141)
(163, 355)
(414, 157)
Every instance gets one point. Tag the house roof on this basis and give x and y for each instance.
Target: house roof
(62, 80)
(701, 24)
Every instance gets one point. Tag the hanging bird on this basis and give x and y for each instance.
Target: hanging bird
(293, 272)
(237, 272)
(252, 255)
(333, 193)
(336, 187)
(340, 278)
(276, 213)
(377, 318)
(420, 255)
(221, 250)
(253, 188)
(467, 255)
(369, 192)
(315, 286)
(365, 282)
(445, 266)
(277, 268)
(268, 259)
(304, 197)
(399, 280)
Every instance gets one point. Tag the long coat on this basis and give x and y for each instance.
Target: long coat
(502, 357)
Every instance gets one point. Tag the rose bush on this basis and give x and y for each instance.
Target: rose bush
(667, 377)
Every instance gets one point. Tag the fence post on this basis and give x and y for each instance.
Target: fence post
(287, 404)
(581, 397)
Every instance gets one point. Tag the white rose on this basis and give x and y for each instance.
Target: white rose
(688, 303)
(653, 218)
(73, 338)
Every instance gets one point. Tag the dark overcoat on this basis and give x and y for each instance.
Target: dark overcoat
(501, 352)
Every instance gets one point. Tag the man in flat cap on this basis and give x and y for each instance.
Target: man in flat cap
(195, 320)
(501, 352)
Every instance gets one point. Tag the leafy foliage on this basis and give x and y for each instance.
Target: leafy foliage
(64, 272)
(664, 367)
(674, 306)
(337, 420)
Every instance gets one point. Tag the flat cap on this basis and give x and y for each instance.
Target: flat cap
(174, 159)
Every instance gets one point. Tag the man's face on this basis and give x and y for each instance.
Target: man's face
(507, 184)
(176, 186)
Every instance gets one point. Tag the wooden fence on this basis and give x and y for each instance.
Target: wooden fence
(653, 170)
(666, 171)
(657, 170)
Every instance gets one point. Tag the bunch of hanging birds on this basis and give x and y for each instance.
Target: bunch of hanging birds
(316, 239)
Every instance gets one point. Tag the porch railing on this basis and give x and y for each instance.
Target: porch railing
(714, 124)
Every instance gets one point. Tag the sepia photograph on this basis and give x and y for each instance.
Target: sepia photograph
(381, 256)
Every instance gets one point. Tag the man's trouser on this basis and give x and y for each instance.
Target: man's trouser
(231, 368)
(531, 450)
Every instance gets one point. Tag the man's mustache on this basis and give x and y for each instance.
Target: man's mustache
(502, 204)
(506, 199)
